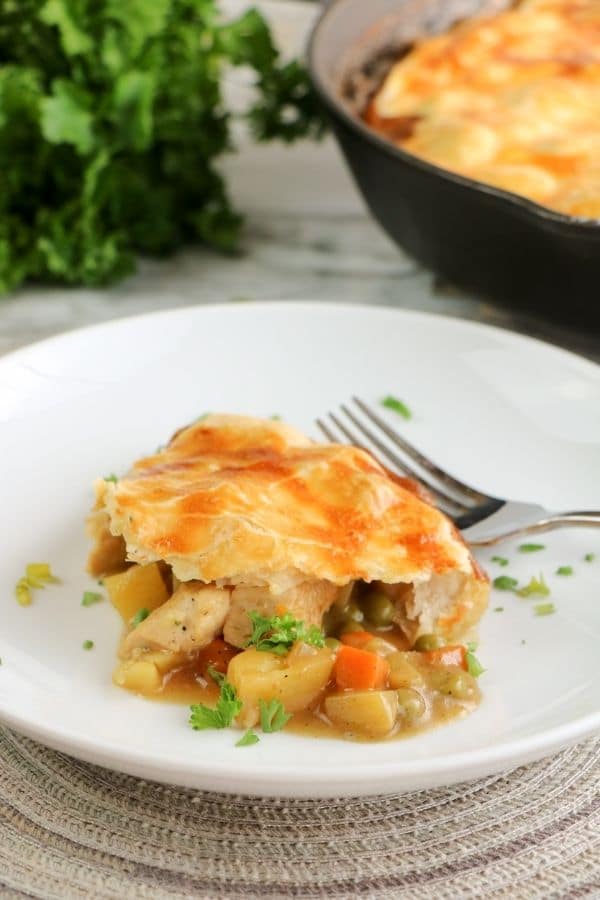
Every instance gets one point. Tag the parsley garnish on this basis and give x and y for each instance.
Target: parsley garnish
(537, 587)
(111, 477)
(473, 665)
(544, 609)
(498, 609)
(276, 417)
(501, 560)
(88, 645)
(90, 597)
(139, 617)
(397, 406)
(248, 739)
(272, 715)
(505, 583)
(531, 548)
(590, 557)
(277, 634)
(227, 708)
(564, 570)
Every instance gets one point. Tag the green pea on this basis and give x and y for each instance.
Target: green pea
(379, 609)
(453, 682)
(351, 625)
(410, 703)
(427, 642)
(353, 611)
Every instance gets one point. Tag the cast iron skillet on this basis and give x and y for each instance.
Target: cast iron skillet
(477, 236)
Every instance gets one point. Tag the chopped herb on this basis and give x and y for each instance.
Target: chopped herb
(139, 617)
(88, 645)
(276, 417)
(37, 575)
(216, 676)
(248, 739)
(111, 477)
(227, 708)
(22, 592)
(544, 609)
(90, 597)
(272, 715)
(498, 609)
(277, 634)
(537, 587)
(201, 418)
(505, 583)
(564, 570)
(523, 641)
(473, 665)
(590, 557)
(397, 406)
(531, 548)
(500, 560)
(40, 572)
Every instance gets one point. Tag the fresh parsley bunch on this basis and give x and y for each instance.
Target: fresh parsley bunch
(111, 121)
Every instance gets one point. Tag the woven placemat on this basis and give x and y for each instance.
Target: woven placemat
(71, 830)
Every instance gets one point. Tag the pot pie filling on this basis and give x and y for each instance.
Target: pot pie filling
(286, 582)
(511, 100)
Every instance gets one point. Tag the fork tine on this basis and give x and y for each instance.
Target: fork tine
(443, 499)
(325, 430)
(450, 506)
(444, 477)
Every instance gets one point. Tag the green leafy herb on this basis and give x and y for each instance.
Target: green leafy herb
(90, 597)
(544, 609)
(112, 124)
(498, 609)
(139, 617)
(531, 548)
(111, 477)
(397, 406)
(272, 715)
(276, 418)
(227, 708)
(505, 583)
(248, 739)
(473, 665)
(536, 587)
(501, 560)
(589, 557)
(88, 645)
(277, 634)
(564, 570)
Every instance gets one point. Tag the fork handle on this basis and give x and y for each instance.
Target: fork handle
(584, 519)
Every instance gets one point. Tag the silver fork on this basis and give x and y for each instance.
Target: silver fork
(485, 520)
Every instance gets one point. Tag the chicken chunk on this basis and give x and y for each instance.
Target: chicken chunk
(188, 621)
(307, 602)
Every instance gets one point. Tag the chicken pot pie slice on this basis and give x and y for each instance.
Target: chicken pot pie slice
(239, 517)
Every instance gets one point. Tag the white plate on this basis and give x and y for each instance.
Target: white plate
(514, 416)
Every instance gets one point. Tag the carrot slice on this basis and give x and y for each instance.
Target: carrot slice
(217, 655)
(448, 656)
(360, 670)
(356, 638)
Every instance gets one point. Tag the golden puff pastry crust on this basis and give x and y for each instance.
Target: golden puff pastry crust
(238, 500)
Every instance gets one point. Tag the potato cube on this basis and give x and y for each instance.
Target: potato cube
(139, 676)
(138, 587)
(371, 713)
(296, 679)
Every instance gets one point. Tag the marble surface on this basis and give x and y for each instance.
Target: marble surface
(308, 236)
